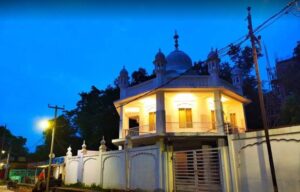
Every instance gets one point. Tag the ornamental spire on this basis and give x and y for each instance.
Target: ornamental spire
(176, 37)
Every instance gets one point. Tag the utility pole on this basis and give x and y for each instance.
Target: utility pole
(2, 144)
(261, 100)
(7, 163)
(51, 155)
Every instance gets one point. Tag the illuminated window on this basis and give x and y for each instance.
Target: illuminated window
(185, 118)
(213, 119)
(152, 121)
(232, 120)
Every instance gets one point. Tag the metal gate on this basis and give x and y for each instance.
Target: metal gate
(197, 170)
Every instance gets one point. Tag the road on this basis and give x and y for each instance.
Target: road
(4, 189)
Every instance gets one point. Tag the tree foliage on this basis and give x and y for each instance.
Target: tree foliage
(140, 76)
(96, 116)
(12, 143)
(290, 112)
(289, 80)
(242, 57)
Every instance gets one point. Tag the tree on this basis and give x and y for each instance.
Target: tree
(12, 143)
(242, 57)
(65, 136)
(140, 76)
(289, 80)
(95, 116)
(290, 112)
(297, 51)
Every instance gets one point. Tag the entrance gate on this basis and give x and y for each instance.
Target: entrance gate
(197, 170)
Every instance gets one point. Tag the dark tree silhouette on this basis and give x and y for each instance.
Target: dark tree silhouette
(12, 143)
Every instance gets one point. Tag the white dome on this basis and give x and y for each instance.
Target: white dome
(178, 61)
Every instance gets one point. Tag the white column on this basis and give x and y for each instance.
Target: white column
(225, 165)
(160, 113)
(121, 123)
(219, 112)
(80, 168)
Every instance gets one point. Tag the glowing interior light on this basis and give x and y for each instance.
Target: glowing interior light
(211, 103)
(132, 110)
(224, 99)
(185, 97)
(148, 101)
(184, 100)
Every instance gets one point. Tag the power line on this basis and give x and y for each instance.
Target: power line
(276, 15)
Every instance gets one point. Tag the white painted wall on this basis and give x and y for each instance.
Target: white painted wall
(59, 169)
(113, 170)
(71, 170)
(250, 164)
(144, 168)
(91, 170)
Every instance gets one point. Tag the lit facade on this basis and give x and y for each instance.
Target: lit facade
(180, 102)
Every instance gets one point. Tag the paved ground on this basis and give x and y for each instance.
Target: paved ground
(20, 189)
(4, 189)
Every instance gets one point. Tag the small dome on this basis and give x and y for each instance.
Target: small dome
(123, 72)
(178, 60)
(212, 54)
(236, 70)
(159, 55)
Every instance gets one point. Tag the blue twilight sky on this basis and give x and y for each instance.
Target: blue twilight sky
(48, 56)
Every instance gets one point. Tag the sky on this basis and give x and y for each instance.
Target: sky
(49, 54)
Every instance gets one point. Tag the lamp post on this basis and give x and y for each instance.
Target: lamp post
(44, 124)
(51, 155)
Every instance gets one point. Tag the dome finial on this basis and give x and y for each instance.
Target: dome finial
(176, 37)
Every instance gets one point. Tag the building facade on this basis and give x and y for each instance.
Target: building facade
(181, 131)
(186, 114)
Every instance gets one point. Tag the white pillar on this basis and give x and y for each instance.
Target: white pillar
(225, 165)
(80, 168)
(160, 113)
(121, 123)
(102, 147)
(219, 112)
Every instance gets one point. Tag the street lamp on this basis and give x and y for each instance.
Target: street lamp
(51, 155)
(45, 124)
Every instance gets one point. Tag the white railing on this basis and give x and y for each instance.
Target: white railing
(177, 127)
(140, 130)
(191, 127)
(230, 129)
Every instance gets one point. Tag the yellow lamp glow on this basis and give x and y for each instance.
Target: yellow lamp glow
(132, 110)
(211, 103)
(184, 100)
(43, 124)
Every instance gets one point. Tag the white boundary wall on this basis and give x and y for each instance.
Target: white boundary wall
(137, 168)
(245, 165)
(250, 165)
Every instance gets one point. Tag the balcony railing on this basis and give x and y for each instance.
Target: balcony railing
(140, 130)
(177, 127)
(191, 127)
(231, 129)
